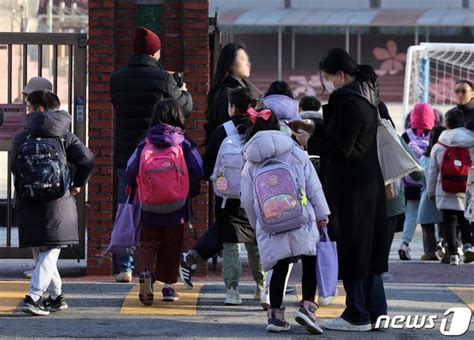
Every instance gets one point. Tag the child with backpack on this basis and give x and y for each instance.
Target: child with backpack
(222, 164)
(284, 200)
(428, 214)
(451, 159)
(166, 172)
(42, 160)
(417, 137)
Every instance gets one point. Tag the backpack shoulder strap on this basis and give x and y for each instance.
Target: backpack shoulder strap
(230, 128)
(411, 134)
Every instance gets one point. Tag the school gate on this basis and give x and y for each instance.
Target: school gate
(62, 58)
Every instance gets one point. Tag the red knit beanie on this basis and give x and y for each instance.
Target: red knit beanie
(146, 41)
(422, 117)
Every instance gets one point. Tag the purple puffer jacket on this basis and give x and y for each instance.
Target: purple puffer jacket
(302, 241)
(163, 135)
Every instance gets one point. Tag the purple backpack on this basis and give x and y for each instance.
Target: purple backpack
(418, 145)
(280, 198)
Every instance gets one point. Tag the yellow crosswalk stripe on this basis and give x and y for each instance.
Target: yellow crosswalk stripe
(11, 295)
(336, 307)
(466, 294)
(186, 305)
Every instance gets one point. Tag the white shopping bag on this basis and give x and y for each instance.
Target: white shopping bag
(469, 201)
(394, 160)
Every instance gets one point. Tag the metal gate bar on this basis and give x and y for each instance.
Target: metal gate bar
(77, 58)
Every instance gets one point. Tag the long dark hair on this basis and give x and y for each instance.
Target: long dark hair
(337, 59)
(168, 112)
(434, 136)
(280, 87)
(262, 125)
(226, 59)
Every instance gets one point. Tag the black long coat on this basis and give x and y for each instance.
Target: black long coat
(352, 179)
(135, 90)
(52, 223)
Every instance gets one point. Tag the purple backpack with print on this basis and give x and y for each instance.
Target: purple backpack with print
(418, 145)
(280, 198)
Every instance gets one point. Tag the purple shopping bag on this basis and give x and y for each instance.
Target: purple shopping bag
(326, 266)
(126, 231)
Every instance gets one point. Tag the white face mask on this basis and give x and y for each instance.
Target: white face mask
(329, 85)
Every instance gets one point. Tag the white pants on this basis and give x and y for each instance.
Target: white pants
(46, 276)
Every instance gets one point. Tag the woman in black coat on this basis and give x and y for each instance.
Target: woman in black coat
(232, 71)
(354, 187)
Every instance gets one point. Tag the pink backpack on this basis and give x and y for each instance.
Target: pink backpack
(163, 179)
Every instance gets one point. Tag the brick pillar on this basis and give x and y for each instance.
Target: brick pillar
(183, 29)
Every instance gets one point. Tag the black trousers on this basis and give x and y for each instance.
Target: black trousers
(308, 280)
(453, 220)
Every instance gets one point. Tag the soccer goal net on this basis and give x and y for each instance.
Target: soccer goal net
(431, 71)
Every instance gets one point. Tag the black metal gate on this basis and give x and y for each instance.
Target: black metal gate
(62, 58)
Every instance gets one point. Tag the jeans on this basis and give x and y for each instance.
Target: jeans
(127, 263)
(278, 280)
(46, 276)
(209, 244)
(231, 267)
(452, 221)
(411, 214)
(365, 300)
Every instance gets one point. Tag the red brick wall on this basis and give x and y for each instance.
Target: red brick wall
(185, 47)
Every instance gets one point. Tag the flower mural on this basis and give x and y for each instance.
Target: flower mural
(392, 60)
(305, 86)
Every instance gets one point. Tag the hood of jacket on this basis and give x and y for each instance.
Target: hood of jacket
(267, 144)
(460, 137)
(311, 115)
(48, 124)
(143, 60)
(164, 135)
(363, 88)
(284, 107)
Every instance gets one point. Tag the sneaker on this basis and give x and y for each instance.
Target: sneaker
(32, 307)
(233, 297)
(276, 321)
(440, 250)
(28, 274)
(429, 257)
(468, 253)
(404, 252)
(55, 305)
(124, 277)
(454, 260)
(187, 267)
(265, 303)
(339, 324)
(306, 317)
(259, 292)
(169, 294)
(146, 295)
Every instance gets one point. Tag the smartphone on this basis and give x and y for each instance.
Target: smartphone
(179, 77)
(287, 123)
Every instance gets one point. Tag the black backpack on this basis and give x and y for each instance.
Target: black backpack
(42, 171)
